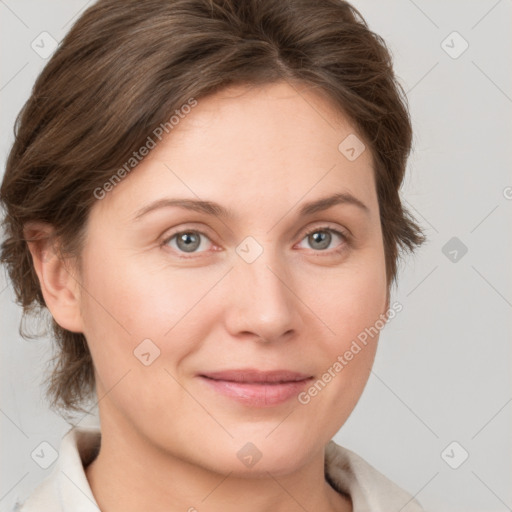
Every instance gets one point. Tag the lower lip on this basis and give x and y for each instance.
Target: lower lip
(258, 395)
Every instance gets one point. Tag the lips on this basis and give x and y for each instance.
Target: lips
(251, 376)
(255, 388)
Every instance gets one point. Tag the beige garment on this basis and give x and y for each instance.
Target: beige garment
(66, 488)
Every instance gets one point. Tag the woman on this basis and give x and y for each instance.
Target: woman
(205, 196)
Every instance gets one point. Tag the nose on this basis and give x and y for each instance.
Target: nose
(262, 303)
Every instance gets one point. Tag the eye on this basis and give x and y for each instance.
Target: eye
(189, 241)
(186, 241)
(320, 238)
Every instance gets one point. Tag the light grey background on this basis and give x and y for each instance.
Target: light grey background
(442, 371)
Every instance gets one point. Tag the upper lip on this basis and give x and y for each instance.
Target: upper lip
(250, 375)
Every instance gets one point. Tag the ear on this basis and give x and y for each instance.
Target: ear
(57, 277)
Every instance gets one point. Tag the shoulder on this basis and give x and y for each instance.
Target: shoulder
(369, 489)
(66, 488)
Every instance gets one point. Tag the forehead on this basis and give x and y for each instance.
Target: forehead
(281, 115)
(249, 145)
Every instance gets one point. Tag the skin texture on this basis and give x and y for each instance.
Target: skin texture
(170, 442)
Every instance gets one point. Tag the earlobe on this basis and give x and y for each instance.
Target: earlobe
(59, 284)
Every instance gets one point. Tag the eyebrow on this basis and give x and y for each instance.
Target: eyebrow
(215, 209)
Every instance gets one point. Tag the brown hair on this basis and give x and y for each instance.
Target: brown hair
(127, 65)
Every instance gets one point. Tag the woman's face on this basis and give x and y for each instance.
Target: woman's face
(242, 289)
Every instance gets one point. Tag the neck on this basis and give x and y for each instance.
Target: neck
(131, 474)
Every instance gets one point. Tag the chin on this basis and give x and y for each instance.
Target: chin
(257, 457)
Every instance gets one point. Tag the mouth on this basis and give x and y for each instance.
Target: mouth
(255, 388)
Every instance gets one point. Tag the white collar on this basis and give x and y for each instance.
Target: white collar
(67, 489)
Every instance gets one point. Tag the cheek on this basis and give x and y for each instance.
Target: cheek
(350, 307)
(127, 303)
(352, 299)
(124, 296)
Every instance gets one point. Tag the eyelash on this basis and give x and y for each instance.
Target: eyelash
(341, 234)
